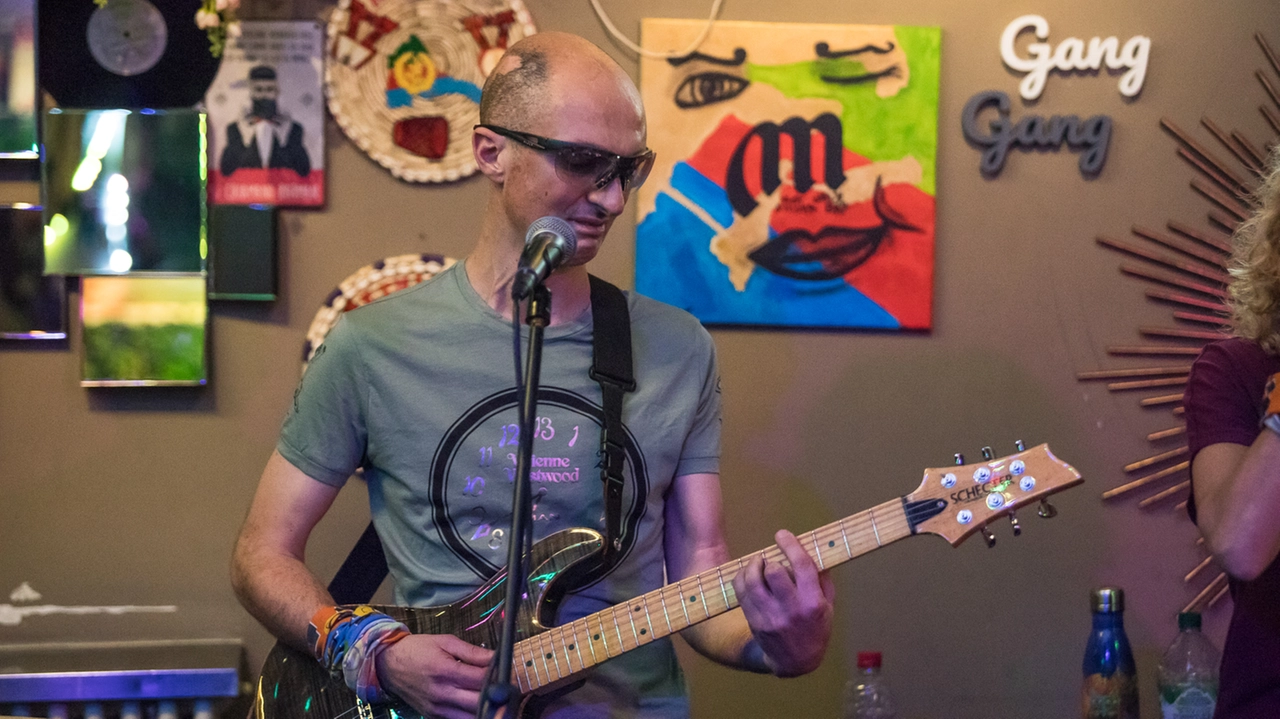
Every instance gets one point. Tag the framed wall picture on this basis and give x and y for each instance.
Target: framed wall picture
(124, 191)
(795, 177)
(18, 90)
(33, 305)
(266, 117)
(144, 330)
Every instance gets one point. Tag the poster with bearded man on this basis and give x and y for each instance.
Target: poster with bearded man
(266, 117)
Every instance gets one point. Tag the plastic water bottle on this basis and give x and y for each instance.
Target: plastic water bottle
(866, 695)
(1110, 689)
(1188, 674)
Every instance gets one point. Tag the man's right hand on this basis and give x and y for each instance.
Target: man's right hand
(438, 674)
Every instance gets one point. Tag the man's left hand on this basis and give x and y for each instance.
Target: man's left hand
(789, 609)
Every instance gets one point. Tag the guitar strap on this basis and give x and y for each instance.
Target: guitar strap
(366, 566)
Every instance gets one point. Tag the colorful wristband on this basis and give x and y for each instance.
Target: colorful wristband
(1272, 397)
(347, 640)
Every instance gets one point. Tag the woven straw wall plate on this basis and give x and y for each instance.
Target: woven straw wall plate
(366, 285)
(403, 77)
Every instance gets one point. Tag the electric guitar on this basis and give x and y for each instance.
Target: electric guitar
(953, 502)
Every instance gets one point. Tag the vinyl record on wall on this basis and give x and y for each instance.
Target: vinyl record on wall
(127, 53)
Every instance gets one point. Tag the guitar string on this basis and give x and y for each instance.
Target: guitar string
(859, 536)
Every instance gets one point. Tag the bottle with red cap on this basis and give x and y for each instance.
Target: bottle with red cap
(866, 695)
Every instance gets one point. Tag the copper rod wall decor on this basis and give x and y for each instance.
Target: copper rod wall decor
(1207, 170)
(1209, 257)
(1156, 459)
(1181, 333)
(1212, 305)
(1199, 568)
(1135, 372)
(1218, 597)
(1172, 263)
(1144, 273)
(1207, 237)
(1152, 350)
(1146, 384)
(1143, 481)
(1162, 399)
(1190, 143)
(1212, 587)
(1218, 320)
(1259, 156)
(1273, 118)
(1266, 50)
(1266, 85)
(1161, 496)
(1231, 205)
(1167, 433)
(1226, 141)
(1223, 221)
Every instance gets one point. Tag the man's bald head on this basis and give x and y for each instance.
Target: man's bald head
(522, 86)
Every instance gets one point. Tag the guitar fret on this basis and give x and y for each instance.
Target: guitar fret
(702, 594)
(663, 600)
(724, 592)
(542, 655)
(872, 513)
(577, 643)
(648, 619)
(845, 535)
(591, 644)
(632, 622)
(683, 608)
(817, 549)
(550, 654)
(533, 662)
(564, 647)
(618, 628)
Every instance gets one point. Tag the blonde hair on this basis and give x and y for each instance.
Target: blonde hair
(1255, 266)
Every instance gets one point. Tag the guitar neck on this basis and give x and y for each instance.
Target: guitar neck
(566, 650)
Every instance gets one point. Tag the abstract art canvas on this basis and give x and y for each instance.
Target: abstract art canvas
(795, 176)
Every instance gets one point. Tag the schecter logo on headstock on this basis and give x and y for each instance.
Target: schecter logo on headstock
(979, 492)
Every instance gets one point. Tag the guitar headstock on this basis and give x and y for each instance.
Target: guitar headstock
(954, 502)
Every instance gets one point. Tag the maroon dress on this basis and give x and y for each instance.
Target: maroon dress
(1224, 404)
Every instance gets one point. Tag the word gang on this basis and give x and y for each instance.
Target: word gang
(1072, 55)
(1089, 137)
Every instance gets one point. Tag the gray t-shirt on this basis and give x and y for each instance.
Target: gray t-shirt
(417, 388)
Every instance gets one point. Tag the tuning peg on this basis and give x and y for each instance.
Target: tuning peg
(1046, 510)
(987, 535)
(1021, 447)
(959, 458)
(987, 454)
(1017, 528)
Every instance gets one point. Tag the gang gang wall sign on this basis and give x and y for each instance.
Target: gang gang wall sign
(986, 119)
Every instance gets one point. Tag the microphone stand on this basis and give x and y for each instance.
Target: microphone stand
(500, 692)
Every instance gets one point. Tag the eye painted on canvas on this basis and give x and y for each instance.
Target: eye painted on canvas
(840, 67)
(702, 87)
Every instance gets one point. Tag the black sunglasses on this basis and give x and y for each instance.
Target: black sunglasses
(575, 163)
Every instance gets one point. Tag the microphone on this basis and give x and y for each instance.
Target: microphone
(549, 243)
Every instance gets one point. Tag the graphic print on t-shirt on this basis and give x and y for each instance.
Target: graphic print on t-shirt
(473, 476)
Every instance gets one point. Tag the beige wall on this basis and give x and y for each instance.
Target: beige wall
(133, 497)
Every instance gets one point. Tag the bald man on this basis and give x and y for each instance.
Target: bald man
(417, 389)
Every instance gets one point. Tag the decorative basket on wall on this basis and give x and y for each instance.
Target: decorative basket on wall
(403, 78)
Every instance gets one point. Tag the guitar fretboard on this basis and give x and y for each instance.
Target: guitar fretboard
(568, 649)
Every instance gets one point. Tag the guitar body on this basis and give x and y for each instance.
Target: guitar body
(293, 685)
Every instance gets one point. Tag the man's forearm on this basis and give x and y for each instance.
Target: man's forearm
(727, 640)
(280, 592)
